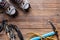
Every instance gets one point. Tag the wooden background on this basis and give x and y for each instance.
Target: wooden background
(36, 20)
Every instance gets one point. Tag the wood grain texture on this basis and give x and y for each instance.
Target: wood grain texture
(36, 20)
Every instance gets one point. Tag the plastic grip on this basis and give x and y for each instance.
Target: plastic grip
(48, 34)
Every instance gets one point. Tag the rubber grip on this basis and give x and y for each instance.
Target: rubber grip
(48, 34)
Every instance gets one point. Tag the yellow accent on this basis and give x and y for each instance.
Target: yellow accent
(49, 38)
(33, 35)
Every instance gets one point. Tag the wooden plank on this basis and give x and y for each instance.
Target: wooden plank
(33, 25)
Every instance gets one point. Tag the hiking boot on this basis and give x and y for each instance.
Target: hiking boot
(23, 4)
(9, 9)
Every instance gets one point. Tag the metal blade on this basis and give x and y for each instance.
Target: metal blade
(53, 27)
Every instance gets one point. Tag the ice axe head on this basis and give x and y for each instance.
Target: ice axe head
(54, 29)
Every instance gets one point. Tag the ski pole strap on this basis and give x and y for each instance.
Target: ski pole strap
(17, 30)
(1, 28)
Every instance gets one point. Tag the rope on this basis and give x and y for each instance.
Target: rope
(34, 35)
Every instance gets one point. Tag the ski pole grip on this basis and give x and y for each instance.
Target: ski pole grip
(48, 34)
(36, 38)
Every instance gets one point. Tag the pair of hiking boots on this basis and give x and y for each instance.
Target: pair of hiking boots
(10, 9)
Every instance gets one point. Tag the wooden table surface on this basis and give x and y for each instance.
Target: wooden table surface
(36, 20)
